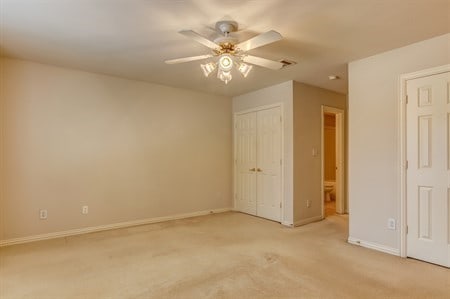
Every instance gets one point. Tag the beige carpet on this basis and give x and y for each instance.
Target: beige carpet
(229, 255)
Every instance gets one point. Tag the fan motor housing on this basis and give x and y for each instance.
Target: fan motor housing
(225, 40)
(226, 27)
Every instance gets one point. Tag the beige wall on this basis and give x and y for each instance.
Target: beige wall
(130, 150)
(374, 190)
(308, 101)
(280, 93)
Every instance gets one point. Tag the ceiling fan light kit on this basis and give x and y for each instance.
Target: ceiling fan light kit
(224, 66)
(230, 53)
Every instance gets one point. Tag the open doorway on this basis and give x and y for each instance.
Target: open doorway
(332, 161)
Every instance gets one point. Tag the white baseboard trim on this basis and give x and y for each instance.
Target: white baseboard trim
(308, 220)
(289, 224)
(79, 231)
(374, 246)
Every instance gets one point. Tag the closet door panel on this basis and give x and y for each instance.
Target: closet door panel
(245, 159)
(268, 153)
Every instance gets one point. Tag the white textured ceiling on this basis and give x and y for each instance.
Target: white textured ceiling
(132, 38)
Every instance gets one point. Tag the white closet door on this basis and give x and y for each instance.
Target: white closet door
(269, 163)
(428, 176)
(245, 156)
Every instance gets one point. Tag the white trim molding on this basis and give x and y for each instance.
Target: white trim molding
(308, 220)
(403, 79)
(86, 230)
(374, 246)
(340, 150)
(288, 224)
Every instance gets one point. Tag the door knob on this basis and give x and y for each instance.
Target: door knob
(258, 169)
(252, 169)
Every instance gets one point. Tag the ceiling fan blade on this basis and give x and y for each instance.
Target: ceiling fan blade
(260, 40)
(187, 59)
(200, 39)
(270, 64)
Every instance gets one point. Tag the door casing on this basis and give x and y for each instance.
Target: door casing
(340, 158)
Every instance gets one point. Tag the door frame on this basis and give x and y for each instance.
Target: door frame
(340, 157)
(402, 163)
(256, 109)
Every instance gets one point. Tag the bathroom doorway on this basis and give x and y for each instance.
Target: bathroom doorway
(332, 161)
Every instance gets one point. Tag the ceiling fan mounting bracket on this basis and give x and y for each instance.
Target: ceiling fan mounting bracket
(226, 27)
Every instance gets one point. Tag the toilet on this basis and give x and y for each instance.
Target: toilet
(328, 188)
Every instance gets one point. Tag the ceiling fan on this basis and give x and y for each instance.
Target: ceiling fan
(231, 53)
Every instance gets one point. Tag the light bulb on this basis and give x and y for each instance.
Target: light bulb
(244, 69)
(208, 68)
(225, 62)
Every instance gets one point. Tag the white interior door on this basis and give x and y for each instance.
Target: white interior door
(428, 176)
(245, 157)
(269, 163)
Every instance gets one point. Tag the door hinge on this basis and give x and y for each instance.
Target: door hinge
(280, 205)
(406, 99)
(406, 229)
(281, 119)
(281, 162)
(407, 164)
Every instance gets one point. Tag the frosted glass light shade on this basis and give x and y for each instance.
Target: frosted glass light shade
(224, 76)
(225, 62)
(244, 69)
(208, 68)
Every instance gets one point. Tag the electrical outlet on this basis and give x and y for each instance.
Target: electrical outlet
(391, 223)
(84, 210)
(308, 203)
(43, 214)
